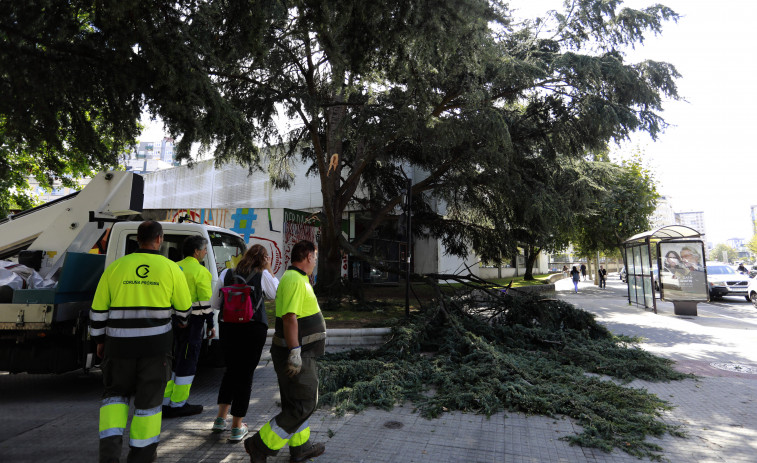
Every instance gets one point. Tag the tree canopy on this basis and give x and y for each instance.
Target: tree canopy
(77, 75)
(717, 253)
(490, 114)
(621, 209)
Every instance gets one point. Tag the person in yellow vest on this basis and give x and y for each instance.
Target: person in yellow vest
(189, 339)
(299, 339)
(130, 321)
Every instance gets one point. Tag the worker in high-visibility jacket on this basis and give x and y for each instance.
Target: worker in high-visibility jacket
(131, 323)
(299, 339)
(189, 340)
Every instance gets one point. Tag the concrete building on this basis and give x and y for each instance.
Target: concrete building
(166, 147)
(227, 196)
(663, 214)
(736, 243)
(149, 156)
(694, 220)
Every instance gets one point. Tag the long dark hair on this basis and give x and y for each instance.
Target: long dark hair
(253, 259)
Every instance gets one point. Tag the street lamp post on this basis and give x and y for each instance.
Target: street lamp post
(408, 236)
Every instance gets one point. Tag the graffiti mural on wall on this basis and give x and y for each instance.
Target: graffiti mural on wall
(275, 229)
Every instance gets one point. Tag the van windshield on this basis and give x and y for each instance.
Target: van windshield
(227, 249)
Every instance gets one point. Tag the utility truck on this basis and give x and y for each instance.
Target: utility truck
(71, 241)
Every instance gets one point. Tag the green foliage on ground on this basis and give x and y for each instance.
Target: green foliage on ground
(486, 353)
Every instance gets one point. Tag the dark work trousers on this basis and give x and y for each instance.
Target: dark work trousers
(602, 281)
(188, 342)
(299, 395)
(143, 378)
(242, 345)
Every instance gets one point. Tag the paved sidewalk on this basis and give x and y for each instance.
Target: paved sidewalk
(718, 411)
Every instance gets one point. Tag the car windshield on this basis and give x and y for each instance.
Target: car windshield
(720, 270)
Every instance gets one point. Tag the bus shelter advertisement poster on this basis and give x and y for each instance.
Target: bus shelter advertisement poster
(682, 274)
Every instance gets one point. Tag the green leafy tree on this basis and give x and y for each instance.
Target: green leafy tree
(556, 195)
(717, 253)
(621, 210)
(752, 245)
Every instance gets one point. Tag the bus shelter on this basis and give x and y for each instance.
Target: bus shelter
(670, 258)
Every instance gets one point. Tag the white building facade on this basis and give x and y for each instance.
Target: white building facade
(227, 196)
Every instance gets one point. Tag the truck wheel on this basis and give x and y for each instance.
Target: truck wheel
(753, 298)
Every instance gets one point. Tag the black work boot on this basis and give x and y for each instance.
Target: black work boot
(305, 452)
(256, 455)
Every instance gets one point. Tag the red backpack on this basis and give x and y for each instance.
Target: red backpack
(241, 300)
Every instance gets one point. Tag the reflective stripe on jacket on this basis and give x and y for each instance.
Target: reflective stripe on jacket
(200, 283)
(295, 295)
(133, 304)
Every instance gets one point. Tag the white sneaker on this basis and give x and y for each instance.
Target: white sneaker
(219, 425)
(237, 434)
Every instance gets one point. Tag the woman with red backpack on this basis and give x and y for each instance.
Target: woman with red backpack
(242, 338)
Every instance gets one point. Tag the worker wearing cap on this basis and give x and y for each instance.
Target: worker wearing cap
(131, 323)
(189, 339)
(299, 339)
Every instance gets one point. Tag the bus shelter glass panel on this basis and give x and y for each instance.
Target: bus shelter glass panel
(639, 275)
(637, 270)
(646, 270)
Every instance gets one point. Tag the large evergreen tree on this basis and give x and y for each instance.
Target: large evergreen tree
(479, 104)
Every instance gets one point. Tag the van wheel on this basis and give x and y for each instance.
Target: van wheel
(753, 298)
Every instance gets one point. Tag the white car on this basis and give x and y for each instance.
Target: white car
(723, 280)
(752, 291)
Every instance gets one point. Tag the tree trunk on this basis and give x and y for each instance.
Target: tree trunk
(531, 255)
(329, 264)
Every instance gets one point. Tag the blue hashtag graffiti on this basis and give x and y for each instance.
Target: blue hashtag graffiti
(243, 220)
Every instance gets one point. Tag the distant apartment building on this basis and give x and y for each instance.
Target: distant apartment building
(150, 156)
(736, 243)
(694, 220)
(663, 214)
(166, 151)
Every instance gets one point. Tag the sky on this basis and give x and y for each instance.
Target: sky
(704, 161)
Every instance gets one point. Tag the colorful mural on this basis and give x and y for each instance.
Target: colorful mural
(276, 229)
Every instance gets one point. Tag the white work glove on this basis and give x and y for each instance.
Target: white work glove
(294, 362)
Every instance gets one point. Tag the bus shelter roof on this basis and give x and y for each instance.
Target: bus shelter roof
(668, 232)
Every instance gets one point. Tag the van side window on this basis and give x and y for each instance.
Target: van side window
(170, 248)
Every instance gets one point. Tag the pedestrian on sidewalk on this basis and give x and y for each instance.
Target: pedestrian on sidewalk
(188, 340)
(575, 274)
(131, 325)
(300, 338)
(602, 277)
(583, 271)
(242, 343)
(565, 271)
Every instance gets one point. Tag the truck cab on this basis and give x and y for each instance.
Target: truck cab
(46, 330)
(225, 247)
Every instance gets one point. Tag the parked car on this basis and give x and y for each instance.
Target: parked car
(752, 291)
(723, 280)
